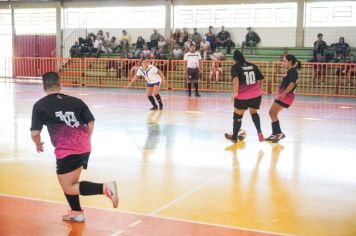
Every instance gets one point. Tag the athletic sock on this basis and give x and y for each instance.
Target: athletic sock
(152, 100)
(158, 97)
(73, 201)
(276, 129)
(256, 120)
(236, 125)
(189, 87)
(89, 188)
(196, 87)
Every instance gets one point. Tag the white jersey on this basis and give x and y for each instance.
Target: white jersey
(150, 75)
(192, 59)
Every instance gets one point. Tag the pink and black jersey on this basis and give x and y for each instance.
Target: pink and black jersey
(66, 118)
(248, 75)
(290, 77)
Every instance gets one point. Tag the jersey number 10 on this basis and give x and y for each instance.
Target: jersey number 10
(250, 77)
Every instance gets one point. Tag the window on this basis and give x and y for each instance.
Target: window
(35, 21)
(239, 15)
(115, 17)
(331, 14)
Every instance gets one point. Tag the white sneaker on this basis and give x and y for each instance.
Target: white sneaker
(111, 192)
(77, 216)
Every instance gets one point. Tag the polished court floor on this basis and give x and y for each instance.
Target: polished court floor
(176, 173)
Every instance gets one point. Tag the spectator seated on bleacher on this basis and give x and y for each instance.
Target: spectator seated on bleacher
(224, 40)
(99, 46)
(74, 51)
(188, 44)
(162, 44)
(211, 38)
(341, 50)
(217, 55)
(177, 53)
(185, 35)
(113, 45)
(139, 47)
(251, 40)
(196, 37)
(86, 45)
(146, 53)
(177, 38)
(216, 71)
(205, 48)
(348, 70)
(154, 39)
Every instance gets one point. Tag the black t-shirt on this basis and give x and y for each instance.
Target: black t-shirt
(290, 77)
(248, 75)
(66, 118)
(59, 108)
(223, 35)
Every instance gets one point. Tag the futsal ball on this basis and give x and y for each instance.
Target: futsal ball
(241, 135)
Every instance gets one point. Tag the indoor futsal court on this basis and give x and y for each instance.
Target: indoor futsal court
(176, 173)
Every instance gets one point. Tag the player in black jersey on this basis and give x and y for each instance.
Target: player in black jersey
(285, 96)
(247, 78)
(70, 125)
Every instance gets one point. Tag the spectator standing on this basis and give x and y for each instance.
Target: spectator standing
(125, 43)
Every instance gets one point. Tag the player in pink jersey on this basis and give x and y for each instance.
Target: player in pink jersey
(285, 96)
(70, 125)
(247, 94)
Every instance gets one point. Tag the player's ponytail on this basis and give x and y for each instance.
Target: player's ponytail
(295, 63)
(239, 57)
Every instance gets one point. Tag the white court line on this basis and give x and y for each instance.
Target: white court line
(133, 224)
(157, 217)
(181, 197)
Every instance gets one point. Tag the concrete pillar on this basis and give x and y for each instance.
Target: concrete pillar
(168, 20)
(300, 23)
(59, 32)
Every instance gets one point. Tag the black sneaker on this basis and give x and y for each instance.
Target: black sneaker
(189, 94)
(278, 137)
(154, 108)
(197, 95)
(270, 138)
(229, 137)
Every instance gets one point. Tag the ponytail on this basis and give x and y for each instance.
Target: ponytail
(296, 63)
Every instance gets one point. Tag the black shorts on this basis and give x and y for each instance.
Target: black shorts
(72, 162)
(248, 103)
(282, 104)
(193, 74)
